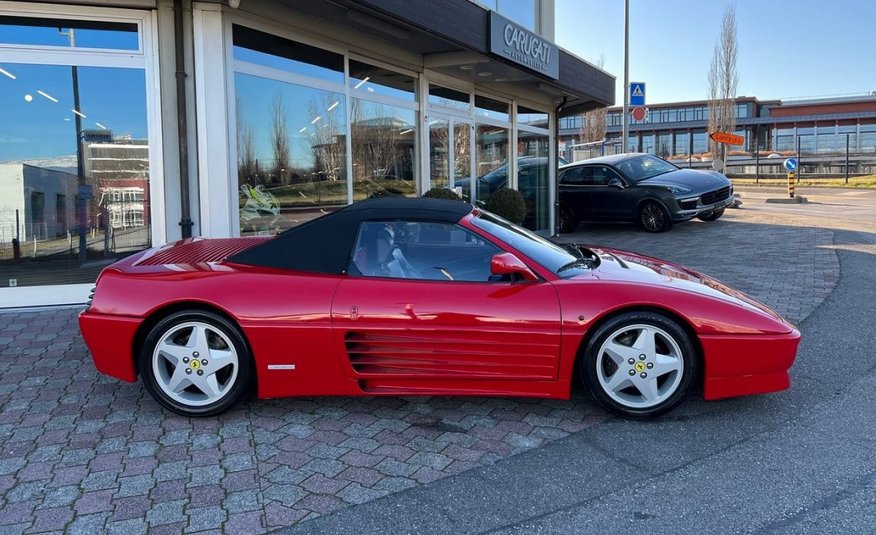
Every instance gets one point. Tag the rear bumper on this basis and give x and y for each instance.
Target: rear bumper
(752, 364)
(111, 341)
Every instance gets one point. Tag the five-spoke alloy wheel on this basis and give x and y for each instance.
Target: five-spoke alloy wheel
(195, 363)
(653, 217)
(639, 364)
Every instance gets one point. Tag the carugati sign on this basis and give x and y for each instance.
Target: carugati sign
(512, 41)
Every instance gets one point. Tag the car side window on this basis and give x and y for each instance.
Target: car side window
(575, 176)
(421, 250)
(600, 176)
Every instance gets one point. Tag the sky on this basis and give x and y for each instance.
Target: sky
(787, 48)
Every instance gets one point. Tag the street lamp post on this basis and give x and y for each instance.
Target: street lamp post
(626, 113)
(80, 161)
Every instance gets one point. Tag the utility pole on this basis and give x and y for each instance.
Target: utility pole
(626, 113)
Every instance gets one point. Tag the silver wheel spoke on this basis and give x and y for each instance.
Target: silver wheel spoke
(665, 364)
(645, 342)
(179, 381)
(617, 381)
(172, 352)
(649, 390)
(210, 386)
(619, 353)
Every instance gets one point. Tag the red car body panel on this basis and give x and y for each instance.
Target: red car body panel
(348, 335)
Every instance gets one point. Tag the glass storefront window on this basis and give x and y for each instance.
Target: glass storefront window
(538, 119)
(370, 79)
(449, 98)
(682, 143)
(384, 149)
(39, 31)
(492, 143)
(74, 171)
(487, 108)
(533, 178)
(273, 51)
(439, 153)
(461, 152)
(291, 153)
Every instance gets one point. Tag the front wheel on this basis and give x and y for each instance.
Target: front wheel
(712, 216)
(653, 217)
(195, 363)
(639, 365)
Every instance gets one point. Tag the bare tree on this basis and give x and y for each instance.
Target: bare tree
(327, 140)
(376, 140)
(593, 122)
(280, 137)
(723, 79)
(246, 161)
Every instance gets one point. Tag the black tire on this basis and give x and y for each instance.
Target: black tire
(653, 217)
(627, 399)
(567, 221)
(236, 385)
(711, 216)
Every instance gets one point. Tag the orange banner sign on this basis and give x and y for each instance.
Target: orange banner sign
(730, 139)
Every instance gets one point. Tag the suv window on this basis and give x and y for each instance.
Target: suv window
(575, 176)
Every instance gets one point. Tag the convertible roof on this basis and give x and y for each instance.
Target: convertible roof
(324, 245)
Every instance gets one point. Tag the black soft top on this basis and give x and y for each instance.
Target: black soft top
(324, 245)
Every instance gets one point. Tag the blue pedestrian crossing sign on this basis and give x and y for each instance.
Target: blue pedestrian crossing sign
(790, 164)
(637, 94)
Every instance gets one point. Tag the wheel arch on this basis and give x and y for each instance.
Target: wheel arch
(682, 322)
(164, 311)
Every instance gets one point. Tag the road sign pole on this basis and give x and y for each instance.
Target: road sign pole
(791, 184)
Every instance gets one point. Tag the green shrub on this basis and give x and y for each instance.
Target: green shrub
(507, 203)
(442, 193)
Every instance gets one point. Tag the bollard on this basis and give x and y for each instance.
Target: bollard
(791, 184)
(16, 249)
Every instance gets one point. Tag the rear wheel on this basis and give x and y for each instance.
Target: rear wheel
(567, 221)
(653, 217)
(711, 216)
(195, 363)
(639, 364)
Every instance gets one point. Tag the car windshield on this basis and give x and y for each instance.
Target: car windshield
(638, 168)
(550, 255)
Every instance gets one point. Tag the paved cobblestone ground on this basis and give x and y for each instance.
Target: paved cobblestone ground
(81, 453)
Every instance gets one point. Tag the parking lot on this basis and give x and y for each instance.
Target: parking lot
(83, 453)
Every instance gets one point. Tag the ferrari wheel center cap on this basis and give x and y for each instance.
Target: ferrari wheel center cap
(640, 366)
(195, 364)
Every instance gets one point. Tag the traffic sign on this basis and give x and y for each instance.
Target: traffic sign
(790, 164)
(637, 94)
(638, 113)
(729, 139)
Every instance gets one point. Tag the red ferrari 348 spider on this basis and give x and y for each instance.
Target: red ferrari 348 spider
(399, 296)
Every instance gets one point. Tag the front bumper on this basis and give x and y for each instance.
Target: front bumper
(684, 214)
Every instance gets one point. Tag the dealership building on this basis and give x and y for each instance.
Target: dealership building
(133, 123)
(822, 130)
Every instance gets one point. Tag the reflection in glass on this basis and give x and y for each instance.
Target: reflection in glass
(533, 178)
(384, 141)
(74, 176)
(530, 117)
(492, 160)
(448, 98)
(276, 52)
(439, 153)
(38, 31)
(487, 108)
(367, 78)
(461, 152)
(291, 153)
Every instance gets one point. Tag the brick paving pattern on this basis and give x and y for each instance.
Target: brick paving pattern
(82, 453)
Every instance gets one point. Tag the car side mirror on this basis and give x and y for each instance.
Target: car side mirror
(616, 183)
(508, 264)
